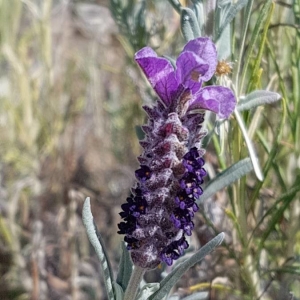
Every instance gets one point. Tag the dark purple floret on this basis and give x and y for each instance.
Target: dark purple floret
(158, 215)
(143, 173)
(174, 251)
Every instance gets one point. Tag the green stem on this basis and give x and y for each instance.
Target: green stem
(240, 236)
(134, 283)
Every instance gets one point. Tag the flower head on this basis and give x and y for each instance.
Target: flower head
(195, 65)
(158, 215)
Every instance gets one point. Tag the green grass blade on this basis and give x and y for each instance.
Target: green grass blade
(255, 78)
(286, 200)
(255, 35)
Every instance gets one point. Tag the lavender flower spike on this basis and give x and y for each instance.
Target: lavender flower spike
(158, 215)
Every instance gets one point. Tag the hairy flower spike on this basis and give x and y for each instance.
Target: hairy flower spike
(158, 215)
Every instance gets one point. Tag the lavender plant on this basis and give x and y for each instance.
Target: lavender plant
(55, 87)
(158, 215)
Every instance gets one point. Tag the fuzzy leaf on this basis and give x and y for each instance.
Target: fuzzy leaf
(227, 177)
(257, 98)
(98, 245)
(125, 268)
(189, 24)
(119, 293)
(147, 290)
(223, 44)
(168, 282)
(199, 12)
(227, 13)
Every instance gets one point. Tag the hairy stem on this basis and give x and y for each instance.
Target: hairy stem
(134, 283)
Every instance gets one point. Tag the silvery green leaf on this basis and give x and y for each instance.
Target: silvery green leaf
(257, 98)
(189, 25)
(119, 293)
(197, 296)
(223, 44)
(125, 268)
(147, 290)
(169, 281)
(199, 12)
(221, 11)
(227, 13)
(210, 8)
(227, 177)
(98, 245)
(251, 150)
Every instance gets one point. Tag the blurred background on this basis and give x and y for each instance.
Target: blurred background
(70, 111)
(69, 108)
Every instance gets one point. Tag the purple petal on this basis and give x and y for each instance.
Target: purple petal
(218, 99)
(190, 69)
(205, 49)
(159, 72)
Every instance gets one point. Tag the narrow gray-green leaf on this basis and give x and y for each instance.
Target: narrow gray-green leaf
(227, 177)
(251, 150)
(257, 98)
(169, 281)
(88, 222)
(125, 268)
(229, 15)
(199, 12)
(147, 290)
(119, 293)
(223, 44)
(189, 24)
(197, 296)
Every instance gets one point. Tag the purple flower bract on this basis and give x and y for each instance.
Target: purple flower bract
(158, 215)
